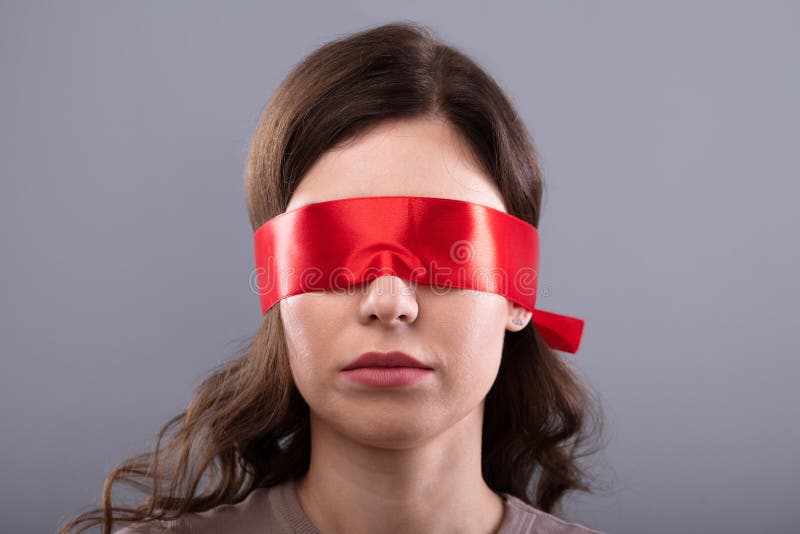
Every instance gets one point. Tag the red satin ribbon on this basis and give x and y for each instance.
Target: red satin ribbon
(444, 243)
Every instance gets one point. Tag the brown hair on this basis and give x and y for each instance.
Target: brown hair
(247, 425)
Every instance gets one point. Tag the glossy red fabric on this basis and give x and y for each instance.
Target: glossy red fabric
(443, 243)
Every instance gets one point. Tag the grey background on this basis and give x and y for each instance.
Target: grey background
(668, 134)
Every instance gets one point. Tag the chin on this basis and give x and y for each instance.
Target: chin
(388, 434)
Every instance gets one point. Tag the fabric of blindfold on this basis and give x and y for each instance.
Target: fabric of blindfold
(443, 243)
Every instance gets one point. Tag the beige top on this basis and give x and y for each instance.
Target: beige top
(276, 510)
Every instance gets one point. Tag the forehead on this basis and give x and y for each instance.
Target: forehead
(409, 157)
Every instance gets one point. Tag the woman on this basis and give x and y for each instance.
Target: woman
(279, 439)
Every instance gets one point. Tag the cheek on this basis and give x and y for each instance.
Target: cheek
(309, 327)
(473, 330)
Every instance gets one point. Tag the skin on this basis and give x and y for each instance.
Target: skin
(390, 459)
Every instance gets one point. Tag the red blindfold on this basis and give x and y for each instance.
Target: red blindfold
(443, 243)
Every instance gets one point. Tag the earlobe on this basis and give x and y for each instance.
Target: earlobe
(518, 318)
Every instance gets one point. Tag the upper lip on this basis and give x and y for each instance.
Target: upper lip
(386, 359)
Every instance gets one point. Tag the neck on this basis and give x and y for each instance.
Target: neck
(400, 485)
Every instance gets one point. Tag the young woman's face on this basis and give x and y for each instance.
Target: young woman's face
(459, 333)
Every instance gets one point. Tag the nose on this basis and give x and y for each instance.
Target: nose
(390, 300)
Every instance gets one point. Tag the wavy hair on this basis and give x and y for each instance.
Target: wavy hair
(246, 425)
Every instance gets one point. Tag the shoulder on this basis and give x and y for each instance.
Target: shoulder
(521, 517)
(245, 517)
(149, 527)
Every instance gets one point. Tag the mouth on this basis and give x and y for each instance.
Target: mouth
(387, 377)
(387, 370)
(393, 359)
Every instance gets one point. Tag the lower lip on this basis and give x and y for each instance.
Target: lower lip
(387, 376)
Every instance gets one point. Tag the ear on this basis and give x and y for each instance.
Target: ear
(518, 317)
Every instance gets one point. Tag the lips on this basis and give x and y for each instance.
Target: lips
(386, 359)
